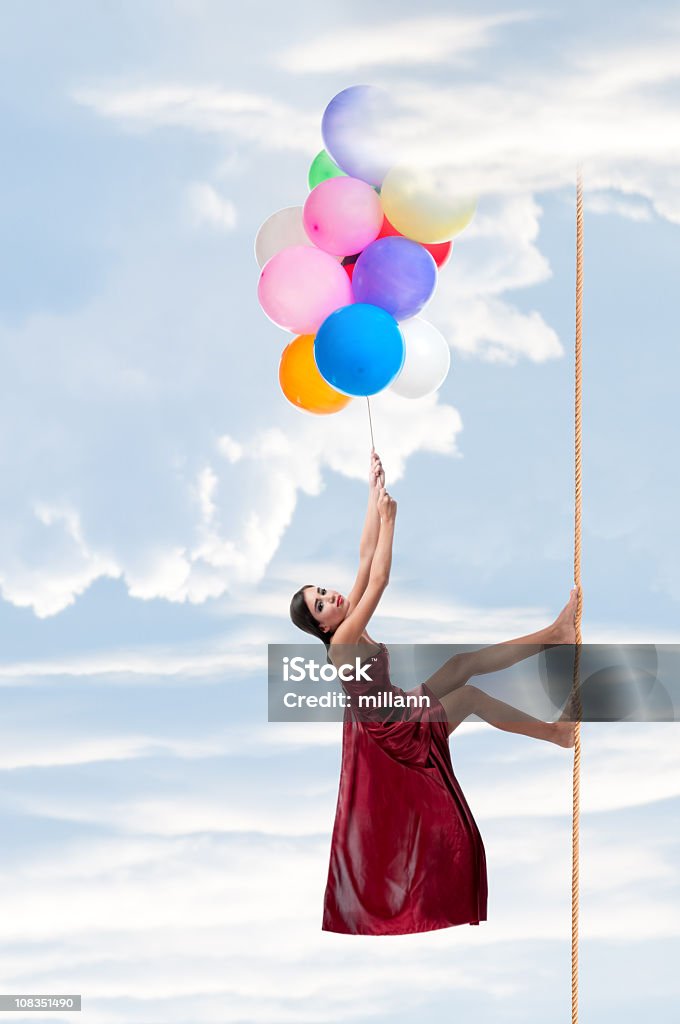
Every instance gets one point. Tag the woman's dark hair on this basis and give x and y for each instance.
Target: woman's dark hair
(303, 618)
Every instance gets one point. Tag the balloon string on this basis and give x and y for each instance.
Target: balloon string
(370, 423)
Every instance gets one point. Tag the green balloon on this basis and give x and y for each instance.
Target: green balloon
(323, 168)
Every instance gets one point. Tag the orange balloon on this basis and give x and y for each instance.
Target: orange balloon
(301, 382)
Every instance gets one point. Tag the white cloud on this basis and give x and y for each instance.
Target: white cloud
(207, 505)
(415, 617)
(230, 448)
(46, 750)
(636, 65)
(497, 253)
(151, 665)
(512, 778)
(526, 842)
(162, 921)
(500, 333)
(162, 900)
(398, 44)
(510, 133)
(41, 748)
(286, 464)
(207, 206)
(181, 513)
(619, 206)
(259, 119)
(74, 565)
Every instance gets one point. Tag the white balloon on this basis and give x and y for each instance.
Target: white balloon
(426, 362)
(281, 230)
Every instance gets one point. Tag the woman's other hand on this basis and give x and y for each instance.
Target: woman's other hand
(387, 507)
(376, 475)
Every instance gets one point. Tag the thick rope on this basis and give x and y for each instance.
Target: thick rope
(576, 788)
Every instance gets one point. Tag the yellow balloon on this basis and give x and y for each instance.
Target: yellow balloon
(301, 382)
(421, 204)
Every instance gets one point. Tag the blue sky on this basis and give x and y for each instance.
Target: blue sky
(161, 500)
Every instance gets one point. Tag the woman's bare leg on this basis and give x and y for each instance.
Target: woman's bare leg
(470, 700)
(455, 672)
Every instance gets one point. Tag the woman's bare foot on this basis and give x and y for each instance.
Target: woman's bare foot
(564, 626)
(564, 733)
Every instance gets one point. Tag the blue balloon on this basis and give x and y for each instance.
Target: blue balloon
(359, 350)
(357, 129)
(396, 274)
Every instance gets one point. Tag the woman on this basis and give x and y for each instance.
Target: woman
(406, 853)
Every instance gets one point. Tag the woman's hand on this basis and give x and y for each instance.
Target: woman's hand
(376, 475)
(387, 507)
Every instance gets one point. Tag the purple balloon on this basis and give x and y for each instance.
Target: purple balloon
(358, 132)
(397, 274)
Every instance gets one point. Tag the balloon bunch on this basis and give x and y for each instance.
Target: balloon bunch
(349, 272)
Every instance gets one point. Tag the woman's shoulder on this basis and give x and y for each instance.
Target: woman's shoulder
(341, 654)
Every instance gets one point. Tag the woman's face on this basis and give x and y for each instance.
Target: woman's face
(328, 607)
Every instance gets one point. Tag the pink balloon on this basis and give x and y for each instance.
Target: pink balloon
(300, 286)
(343, 215)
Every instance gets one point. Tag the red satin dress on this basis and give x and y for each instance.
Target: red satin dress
(406, 854)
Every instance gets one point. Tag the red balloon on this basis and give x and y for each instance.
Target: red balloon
(349, 264)
(440, 251)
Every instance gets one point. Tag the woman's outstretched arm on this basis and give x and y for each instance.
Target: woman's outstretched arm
(350, 631)
(371, 531)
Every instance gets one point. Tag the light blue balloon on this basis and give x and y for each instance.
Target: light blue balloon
(359, 350)
(356, 129)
